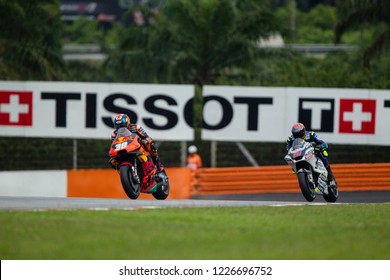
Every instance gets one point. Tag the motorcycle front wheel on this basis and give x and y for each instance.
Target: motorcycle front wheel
(306, 186)
(130, 184)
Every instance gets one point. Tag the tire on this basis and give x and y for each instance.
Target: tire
(162, 191)
(333, 194)
(305, 186)
(131, 187)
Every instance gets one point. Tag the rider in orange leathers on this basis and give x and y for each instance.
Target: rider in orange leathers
(123, 120)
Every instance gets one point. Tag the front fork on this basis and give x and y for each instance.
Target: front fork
(321, 184)
(133, 169)
(310, 177)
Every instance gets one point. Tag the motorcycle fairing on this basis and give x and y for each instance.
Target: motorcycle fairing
(149, 181)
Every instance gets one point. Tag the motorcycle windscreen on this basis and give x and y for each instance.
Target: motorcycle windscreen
(123, 132)
(298, 143)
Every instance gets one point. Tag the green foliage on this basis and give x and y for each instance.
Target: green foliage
(113, 35)
(322, 17)
(314, 35)
(321, 72)
(352, 14)
(83, 31)
(83, 71)
(313, 27)
(192, 41)
(30, 36)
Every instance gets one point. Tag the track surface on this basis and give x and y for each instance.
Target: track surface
(47, 203)
(344, 197)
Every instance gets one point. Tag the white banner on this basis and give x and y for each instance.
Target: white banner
(230, 113)
(86, 110)
(340, 116)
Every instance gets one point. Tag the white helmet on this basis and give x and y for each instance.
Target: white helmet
(192, 149)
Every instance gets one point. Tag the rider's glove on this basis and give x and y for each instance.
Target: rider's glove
(144, 142)
(321, 147)
(323, 150)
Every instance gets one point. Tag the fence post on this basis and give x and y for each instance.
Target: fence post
(183, 153)
(247, 154)
(74, 153)
(213, 153)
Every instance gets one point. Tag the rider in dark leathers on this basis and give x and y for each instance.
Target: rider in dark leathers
(299, 131)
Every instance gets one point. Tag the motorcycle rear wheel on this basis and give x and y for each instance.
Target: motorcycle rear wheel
(130, 185)
(333, 194)
(162, 191)
(305, 186)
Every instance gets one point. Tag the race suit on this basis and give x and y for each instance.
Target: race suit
(147, 142)
(320, 146)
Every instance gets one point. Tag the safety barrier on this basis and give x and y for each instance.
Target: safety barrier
(87, 183)
(279, 179)
(184, 183)
(105, 183)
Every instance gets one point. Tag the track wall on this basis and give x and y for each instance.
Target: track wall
(105, 183)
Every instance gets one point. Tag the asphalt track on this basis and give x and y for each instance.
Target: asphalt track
(55, 203)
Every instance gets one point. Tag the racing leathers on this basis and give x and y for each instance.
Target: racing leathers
(320, 150)
(146, 141)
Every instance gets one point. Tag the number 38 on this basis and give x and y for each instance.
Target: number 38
(120, 146)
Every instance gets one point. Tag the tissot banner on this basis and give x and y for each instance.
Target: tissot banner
(230, 113)
(86, 110)
(341, 116)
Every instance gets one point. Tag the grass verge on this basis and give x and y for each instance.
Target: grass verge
(326, 232)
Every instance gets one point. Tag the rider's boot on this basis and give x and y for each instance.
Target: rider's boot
(157, 162)
(331, 178)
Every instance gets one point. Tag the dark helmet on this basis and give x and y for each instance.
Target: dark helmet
(298, 130)
(121, 120)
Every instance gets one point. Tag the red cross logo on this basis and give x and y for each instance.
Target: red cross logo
(357, 116)
(16, 108)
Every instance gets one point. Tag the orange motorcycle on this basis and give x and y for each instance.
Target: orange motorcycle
(135, 166)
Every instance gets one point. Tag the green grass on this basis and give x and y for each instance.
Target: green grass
(354, 231)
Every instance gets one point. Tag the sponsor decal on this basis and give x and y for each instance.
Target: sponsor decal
(16, 108)
(357, 116)
(317, 114)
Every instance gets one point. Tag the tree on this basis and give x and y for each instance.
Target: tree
(313, 27)
(353, 14)
(30, 40)
(83, 31)
(193, 41)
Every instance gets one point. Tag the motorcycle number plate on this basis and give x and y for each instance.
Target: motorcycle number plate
(121, 146)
